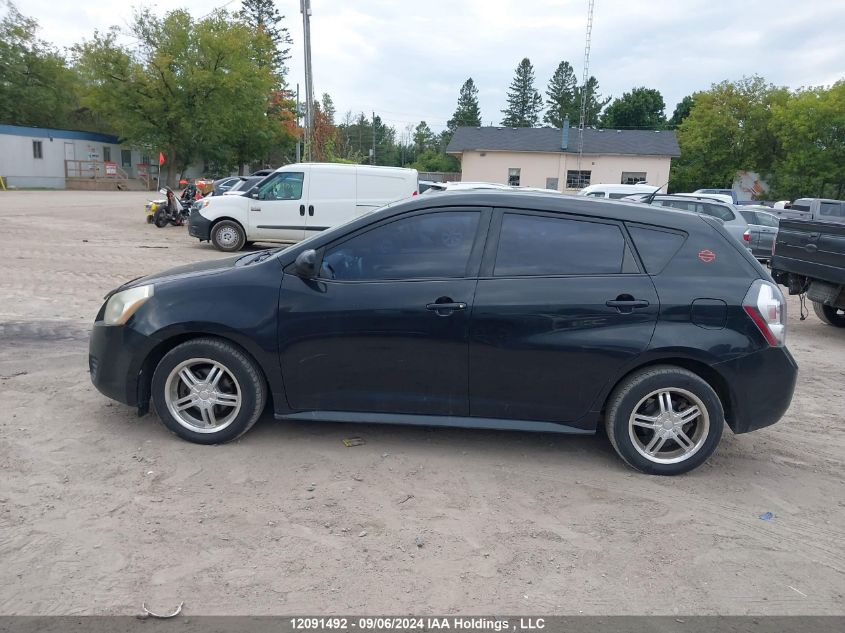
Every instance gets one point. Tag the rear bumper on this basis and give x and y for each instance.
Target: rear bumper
(762, 384)
(199, 226)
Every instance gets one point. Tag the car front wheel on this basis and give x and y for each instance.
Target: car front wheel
(228, 236)
(208, 391)
(664, 420)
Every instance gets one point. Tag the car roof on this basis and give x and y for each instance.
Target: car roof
(556, 202)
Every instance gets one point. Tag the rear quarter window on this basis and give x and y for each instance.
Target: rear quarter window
(655, 246)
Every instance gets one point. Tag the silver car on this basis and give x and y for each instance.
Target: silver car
(763, 227)
(734, 222)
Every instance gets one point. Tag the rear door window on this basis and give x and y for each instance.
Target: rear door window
(540, 246)
(831, 210)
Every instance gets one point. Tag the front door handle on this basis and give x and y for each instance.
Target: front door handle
(445, 308)
(302, 210)
(626, 306)
(310, 209)
(255, 208)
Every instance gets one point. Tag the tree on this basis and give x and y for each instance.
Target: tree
(36, 86)
(561, 96)
(595, 102)
(467, 113)
(263, 16)
(189, 88)
(423, 137)
(810, 129)
(682, 111)
(728, 130)
(328, 107)
(642, 108)
(524, 102)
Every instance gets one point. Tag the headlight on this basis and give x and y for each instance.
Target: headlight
(123, 305)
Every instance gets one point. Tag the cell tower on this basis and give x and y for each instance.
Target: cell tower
(585, 76)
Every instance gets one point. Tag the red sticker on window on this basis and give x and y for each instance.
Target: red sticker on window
(706, 256)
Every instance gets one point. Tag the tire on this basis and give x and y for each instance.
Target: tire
(656, 429)
(228, 236)
(829, 314)
(161, 219)
(208, 413)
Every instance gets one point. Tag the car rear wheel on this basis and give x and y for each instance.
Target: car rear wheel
(228, 236)
(664, 420)
(829, 314)
(208, 391)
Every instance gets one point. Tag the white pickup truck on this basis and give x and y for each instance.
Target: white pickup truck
(296, 200)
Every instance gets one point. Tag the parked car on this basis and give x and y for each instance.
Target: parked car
(763, 227)
(425, 185)
(222, 185)
(439, 187)
(483, 309)
(246, 183)
(727, 213)
(617, 192)
(809, 256)
(298, 200)
(725, 195)
(262, 172)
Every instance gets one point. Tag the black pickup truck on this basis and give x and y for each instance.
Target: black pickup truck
(809, 256)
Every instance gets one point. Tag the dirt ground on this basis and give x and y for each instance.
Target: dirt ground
(101, 510)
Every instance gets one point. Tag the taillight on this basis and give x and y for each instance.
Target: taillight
(416, 193)
(765, 304)
(747, 235)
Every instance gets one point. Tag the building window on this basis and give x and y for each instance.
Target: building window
(633, 177)
(126, 157)
(577, 179)
(513, 176)
(37, 149)
(106, 154)
(551, 183)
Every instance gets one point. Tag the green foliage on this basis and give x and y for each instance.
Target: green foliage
(432, 160)
(36, 86)
(595, 101)
(423, 137)
(642, 108)
(524, 102)
(809, 128)
(265, 19)
(682, 111)
(561, 97)
(727, 130)
(192, 89)
(467, 113)
(328, 107)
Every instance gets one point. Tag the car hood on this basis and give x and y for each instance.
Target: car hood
(198, 269)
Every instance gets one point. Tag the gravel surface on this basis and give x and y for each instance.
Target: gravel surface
(101, 510)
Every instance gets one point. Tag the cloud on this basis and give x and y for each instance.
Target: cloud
(407, 60)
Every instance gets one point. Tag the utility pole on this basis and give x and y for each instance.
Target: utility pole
(585, 76)
(305, 8)
(298, 141)
(374, 138)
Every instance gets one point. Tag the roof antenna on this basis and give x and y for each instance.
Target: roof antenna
(650, 198)
(584, 83)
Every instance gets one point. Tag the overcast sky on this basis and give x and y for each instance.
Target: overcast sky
(407, 59)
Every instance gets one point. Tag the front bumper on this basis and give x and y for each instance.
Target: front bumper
(199, 226)
(761, 385)
(110, 363)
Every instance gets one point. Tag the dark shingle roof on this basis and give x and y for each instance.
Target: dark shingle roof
(548, 139)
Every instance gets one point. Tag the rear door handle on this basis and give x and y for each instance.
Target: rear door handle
(302, 209)
(445, 309)
(310, 209)
(628, 304)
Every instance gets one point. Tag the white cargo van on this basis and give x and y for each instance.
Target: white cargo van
(296, 200)
(616, 191)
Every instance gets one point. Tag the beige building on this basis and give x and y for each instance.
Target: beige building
(548, 157)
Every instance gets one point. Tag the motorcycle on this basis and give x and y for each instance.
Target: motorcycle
(161, 215)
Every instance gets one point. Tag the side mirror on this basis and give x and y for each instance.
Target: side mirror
(305, 265)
